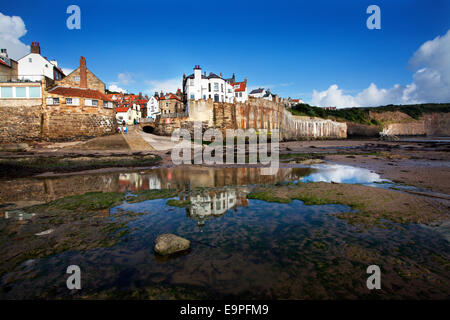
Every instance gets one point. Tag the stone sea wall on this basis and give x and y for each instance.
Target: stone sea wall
(20, 120)
(258, 114)
(68, 122)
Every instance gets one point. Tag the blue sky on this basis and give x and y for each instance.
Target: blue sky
(294, 47)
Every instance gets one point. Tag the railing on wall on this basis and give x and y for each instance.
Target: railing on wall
(174, 115)
(20, 79)
(147, 120)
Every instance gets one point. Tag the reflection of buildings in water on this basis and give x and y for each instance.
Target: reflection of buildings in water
(154, 182)
(136, 181)
(214, 202)
(179, 177)
(18, 215)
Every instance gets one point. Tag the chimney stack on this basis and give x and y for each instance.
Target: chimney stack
(83, 73)
(4, 53)
(245, 80)
(35, 48)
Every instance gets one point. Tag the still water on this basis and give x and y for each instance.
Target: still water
(240, 248)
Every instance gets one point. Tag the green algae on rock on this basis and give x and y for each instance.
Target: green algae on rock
(370, 204)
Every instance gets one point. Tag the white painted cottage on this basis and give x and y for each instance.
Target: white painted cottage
(153, 107)
(33, 66)
(198, 86)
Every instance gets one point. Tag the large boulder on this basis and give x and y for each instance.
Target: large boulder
(166, 244)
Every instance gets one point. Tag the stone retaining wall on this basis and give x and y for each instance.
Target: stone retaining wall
(20, 120)
(257, 114)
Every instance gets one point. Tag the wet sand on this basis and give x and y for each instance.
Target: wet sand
(420, 164)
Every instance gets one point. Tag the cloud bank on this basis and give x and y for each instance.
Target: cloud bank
(170, 85)
(431, 82)
(115, 88)
(11, 29)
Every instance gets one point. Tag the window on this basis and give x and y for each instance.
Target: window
(21, 92)
(240, 94)
(221, 87)
(216, 86)
(91, 103)
(216, 98)
(209, 88)
(77, 79)
(6, 92)
(204, 97)
(107, 104)
(46, 65)
(68, 100)
(30, 60)
(236, 94)
(34, 92)
(191, 82)
(192, 97)
(52, 101)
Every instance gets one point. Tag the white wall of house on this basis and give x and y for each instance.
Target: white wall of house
(129, 116)
(120, 116)
(258, 95)
(33, 66)
(153, 108)
(240, 96)
(214, 88)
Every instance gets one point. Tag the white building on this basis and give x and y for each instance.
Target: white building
(153, 107)
(198, 86)
(204, 205)
(33, 66)
(130, 114)
(263, 93)
(240, 91)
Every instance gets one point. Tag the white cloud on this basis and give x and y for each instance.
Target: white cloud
(431, 82)
(11, 29)
(67, 71)
(125, 78)
(170, 85)
(115, 88)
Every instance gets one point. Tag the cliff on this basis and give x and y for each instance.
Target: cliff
(400, 124)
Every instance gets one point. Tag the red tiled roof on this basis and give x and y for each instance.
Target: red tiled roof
(78, 92)
(122, 109)
(3, 62)
(242, 86)
(169, 97)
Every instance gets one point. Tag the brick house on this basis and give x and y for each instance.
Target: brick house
(77, 106)
(170, 103)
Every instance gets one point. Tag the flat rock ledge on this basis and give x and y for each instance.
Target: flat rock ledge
(166, 244)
